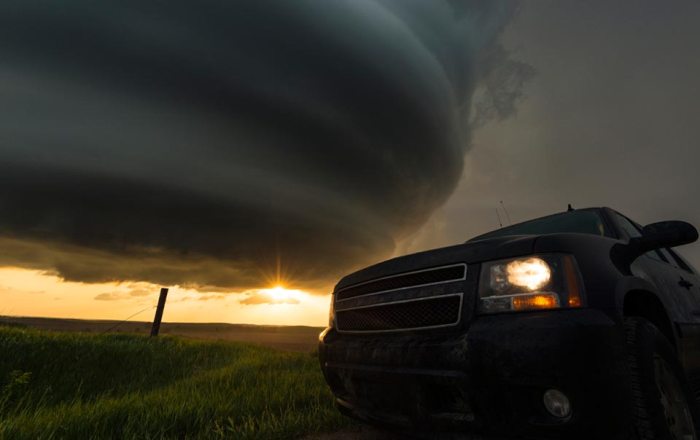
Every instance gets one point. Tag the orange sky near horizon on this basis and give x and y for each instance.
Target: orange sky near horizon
(34, 293)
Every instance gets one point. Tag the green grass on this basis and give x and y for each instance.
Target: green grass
(73, 385)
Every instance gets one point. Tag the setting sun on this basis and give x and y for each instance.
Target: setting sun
(279, 293)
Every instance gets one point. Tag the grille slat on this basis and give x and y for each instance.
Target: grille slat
(428, 312)
(412, 279)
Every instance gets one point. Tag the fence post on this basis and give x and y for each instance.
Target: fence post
(159, 311)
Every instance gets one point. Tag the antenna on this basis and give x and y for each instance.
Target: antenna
(570, 208)
(498, 214)
(506, 211)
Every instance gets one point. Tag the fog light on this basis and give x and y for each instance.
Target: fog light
(556, 403)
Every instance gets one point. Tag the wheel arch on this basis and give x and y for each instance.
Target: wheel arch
(645, 304)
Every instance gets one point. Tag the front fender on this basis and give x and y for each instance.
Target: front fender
(631, 284)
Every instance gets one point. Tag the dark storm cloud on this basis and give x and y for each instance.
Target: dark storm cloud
(191, 142)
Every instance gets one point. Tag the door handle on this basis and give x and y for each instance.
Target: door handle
(685, 283)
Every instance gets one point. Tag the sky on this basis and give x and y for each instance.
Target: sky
(225, 148)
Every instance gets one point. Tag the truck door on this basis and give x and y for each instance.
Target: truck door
(686, 282)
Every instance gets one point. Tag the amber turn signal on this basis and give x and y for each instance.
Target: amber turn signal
(572, 283)
(535, 301)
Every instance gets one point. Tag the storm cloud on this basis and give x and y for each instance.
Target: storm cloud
(194, 143)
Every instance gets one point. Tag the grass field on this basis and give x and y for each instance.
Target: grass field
(78, 385)
(293, 338)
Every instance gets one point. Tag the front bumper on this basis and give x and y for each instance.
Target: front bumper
(489, 378)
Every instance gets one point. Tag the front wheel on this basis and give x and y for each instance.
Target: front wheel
(663, 406)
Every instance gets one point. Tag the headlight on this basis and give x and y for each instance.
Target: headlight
(331, 312)
(529, 283)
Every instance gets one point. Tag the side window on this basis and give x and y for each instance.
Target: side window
(667, 256)
(633, 231)
(630, 229)
(679, 262)
(658, 256)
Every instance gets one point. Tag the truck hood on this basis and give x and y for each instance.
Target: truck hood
(470, 252)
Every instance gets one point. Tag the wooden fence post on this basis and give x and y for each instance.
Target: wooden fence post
(159, 311)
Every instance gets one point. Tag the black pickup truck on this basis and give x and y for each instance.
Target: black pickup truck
(578, 325)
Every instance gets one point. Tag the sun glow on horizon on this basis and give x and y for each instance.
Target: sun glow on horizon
(26, 292)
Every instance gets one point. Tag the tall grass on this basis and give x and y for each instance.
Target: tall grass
(70, 385)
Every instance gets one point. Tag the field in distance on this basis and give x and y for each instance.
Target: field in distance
(294, 338)
(81, 385)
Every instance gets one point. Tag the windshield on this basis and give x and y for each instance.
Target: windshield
(587, 221)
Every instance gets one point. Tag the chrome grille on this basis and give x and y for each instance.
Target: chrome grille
(424, 299)
(400, 281)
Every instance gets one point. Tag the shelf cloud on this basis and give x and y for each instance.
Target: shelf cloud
(195, 143)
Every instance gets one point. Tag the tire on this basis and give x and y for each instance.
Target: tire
(663, 408)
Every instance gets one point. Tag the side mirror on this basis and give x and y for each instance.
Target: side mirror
(654, 236)
(664, 234)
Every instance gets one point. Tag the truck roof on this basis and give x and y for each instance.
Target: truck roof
(586, 221)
